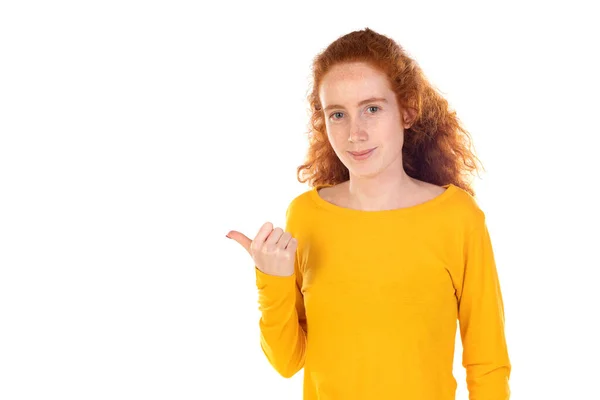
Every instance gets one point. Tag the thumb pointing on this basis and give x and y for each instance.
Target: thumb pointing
(242, 239)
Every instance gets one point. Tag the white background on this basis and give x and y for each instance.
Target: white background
(135, 135)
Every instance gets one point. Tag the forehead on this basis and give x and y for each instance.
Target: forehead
(350, 81)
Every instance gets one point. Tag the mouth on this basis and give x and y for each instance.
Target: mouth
(361, 153)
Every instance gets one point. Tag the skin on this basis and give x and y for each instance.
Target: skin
(380, 181)
(272, 250)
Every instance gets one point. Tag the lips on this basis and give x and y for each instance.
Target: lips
(360, 153)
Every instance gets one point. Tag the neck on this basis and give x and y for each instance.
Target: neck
(382, 192)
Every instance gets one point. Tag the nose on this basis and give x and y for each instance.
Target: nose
(357, 133)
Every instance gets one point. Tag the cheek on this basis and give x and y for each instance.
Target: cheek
(336, 134)
(392, 129)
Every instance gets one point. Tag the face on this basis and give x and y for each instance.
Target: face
(361, 113)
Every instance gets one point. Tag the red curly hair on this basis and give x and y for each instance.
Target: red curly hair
(436, 147)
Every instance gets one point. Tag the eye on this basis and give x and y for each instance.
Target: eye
(373, 107)
(334, 114)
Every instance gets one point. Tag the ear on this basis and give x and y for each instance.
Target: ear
(408, 115)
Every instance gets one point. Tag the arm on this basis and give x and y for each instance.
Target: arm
(283, 319)
(481, 319)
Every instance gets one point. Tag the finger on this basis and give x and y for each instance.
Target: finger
(262, 235)
(273, 238)
(292, 245)
(241, 239)
(284, 240)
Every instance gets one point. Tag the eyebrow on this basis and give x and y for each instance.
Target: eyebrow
(369, 100)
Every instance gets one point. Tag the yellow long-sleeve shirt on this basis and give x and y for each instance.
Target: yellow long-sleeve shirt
(371, 311)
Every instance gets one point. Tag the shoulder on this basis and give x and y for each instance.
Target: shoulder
(299, 203)
(299, 215)
(465, 208)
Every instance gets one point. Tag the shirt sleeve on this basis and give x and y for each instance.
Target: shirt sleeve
(283, 328)
(481, 319)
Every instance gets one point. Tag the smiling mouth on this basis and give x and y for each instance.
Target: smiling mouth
(361, 153)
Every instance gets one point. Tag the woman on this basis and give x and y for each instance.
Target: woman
(389, 249)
